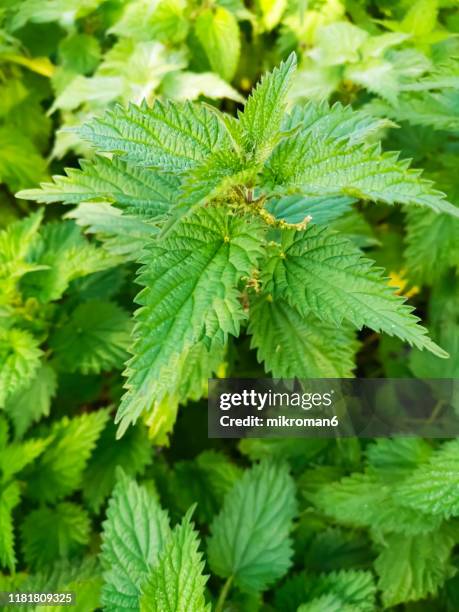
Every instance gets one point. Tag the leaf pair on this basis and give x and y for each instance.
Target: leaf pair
(151, 567)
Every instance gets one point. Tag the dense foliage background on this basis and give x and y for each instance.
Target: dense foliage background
(309, 525)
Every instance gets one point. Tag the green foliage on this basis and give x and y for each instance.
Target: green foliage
(135, 532)
(242, 546)
(262, 223)
(176, 582)
(222, 233)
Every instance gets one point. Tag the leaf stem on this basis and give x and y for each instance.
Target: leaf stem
(224, 594)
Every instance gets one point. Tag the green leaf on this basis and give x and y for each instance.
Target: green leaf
(339, 43)
(421, 18)
(353, 590)
(433, 487)
(19, 361)
(397, 457)
(30, 404)
(317, 163)
(169, 136)
(250, 537)
(9, 499)
(63, 11)
(191, 85)
(135, 532)
(79, 53)
(21, 165)
(132, 453)
(218, 32)
(271, 12)
(49, 534)
(414, 567)
(63, 576)
(16, 241)
(59, 470)
(337, 122)
(176, 583)
(66, 255)
(16, 456)
(335, 548)
(321, 210)
(261, 119)
(204, 481)
(94, 339)
(191, 274)
(109, 180)
(292, 345)
(436, 109)
(123, 235)
(320, 272)
(432, 245)
(330, 603)
(363, 500)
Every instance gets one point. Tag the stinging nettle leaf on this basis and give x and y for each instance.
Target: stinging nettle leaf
(109, 180)
(321, 272)
(176, 583)
(292, 345)
(134, 533)
(250, 537)
(94, 339)
(318, 163)
(414, 567)
(190, 294)
(218, 32)
(49, 534)
(261, 119)
(170, 136)
(59, 470)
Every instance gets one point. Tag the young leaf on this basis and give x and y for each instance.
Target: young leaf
(271, 12)
(261, 119)
(135, 532)
(176, 583)
(337, 123)
(329, 602)
(318, 271)
(250, 537)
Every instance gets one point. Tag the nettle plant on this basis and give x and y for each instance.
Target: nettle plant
(232, 221)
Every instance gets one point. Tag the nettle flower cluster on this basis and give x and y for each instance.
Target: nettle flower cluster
(233, 219)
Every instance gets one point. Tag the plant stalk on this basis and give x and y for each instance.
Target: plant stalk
(224, 594)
